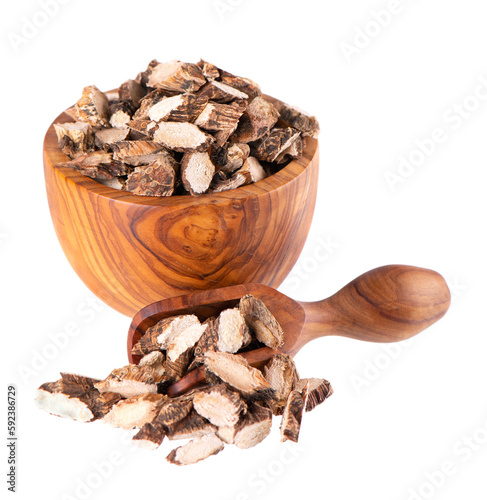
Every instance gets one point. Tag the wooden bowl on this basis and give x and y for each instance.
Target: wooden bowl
(133, 250)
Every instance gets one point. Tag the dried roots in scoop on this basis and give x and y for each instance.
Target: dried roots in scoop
(234, 406)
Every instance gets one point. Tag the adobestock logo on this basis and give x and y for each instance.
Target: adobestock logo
(32, 25)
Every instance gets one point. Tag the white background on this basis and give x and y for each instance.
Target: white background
(397, 416)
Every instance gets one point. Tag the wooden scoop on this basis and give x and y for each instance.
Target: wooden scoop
(387, 304)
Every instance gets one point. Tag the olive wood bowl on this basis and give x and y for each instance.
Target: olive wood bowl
(134, 250)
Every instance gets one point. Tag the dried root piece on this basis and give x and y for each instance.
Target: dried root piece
(148, 101)
(232, 156)
(245, 85)
(176, 369)
(143, 77)
(282, 376)
(273, 145)
(92, 107)
(196, 450)
(207, 342)
(97, 165)
(156, 179)
(253, 427)
(250, 172)
(221, 92)
(260, 319)
(209, 70)
(197, 171)
(76, 397)
(173, 410)
(184, 339)
(176, 76)
(220, 117)
(132, 91)
(232, 330)
(105, 137)
(219, 405)
(291, 418)
(235, 371)
(115, 183)
(294, 151)
(74, 138)
(150, 436)
(158, 336)
(136, 152)
(121, 113)
(183, 137)
(318, 389)
(141, 130)
(134, 412)
(180, 108)
(301, 120)
(259, 117)
(191, 426)
(131, 381)
(154, 360)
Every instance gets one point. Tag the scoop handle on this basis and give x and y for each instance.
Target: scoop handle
(387, 304)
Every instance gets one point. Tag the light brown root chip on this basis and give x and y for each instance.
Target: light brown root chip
(300, 120)
(180, 108)
(191, 426)
(291, 417)
(121, 113)
(184, 339)
(252, 170)
(156, 179)
(157, 337)
(197, 171)
(232, 156)
(97, 165)
(135, 152)
(294, 151)
(219, 405)
(141, 130)
(131, 381)
(281, 376)
(149, 437)
(115, 183)
(209, 70)
(176, 76)
(232, 330)
(74, 138)
(207, 342)
(253, 427)
(132, 91)
(319, 389)
(276, 143)
(196, 450)
(176, 369)
(217, 116)
(134, 412)
(92, 107)
(260, 319)
(154, 360)
(258, 119)
(221, 92)
(107, 136)
(174, 410)
(75, 397)
(235, 371)
(148, 101)
(245, 85)
(183, 137)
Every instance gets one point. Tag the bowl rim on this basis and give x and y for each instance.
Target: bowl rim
(53, 155)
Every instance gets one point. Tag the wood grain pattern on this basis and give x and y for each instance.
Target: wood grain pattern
(132, 251)
(387, 304)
